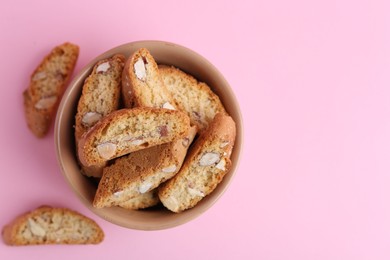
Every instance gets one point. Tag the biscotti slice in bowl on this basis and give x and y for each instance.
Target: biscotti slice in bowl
(47, 85)
(100, 96)
(48, 225)
(129, 130)
(142, 201)
(195, 98)
(204, 168)
(142, 85)
(140, 172)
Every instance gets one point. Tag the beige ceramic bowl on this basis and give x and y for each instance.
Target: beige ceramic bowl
(159, 217)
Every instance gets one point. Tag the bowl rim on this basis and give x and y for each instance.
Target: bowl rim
(82, 74)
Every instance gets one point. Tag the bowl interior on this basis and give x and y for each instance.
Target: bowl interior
(158, 217)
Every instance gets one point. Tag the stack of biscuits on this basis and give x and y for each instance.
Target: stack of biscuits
(151, 134)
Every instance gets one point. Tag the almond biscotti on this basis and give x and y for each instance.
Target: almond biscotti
(100, 96)
(128, 130)
(140, 172)
(47, 84)
(142, 85)
(195, 98)
(48, 225)
(204, 167)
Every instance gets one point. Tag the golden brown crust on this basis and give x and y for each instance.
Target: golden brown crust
(48, 225)
(95, 171)
(205, 166)
(47, 84)
(129, 130)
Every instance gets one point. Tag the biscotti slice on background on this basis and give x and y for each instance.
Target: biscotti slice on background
(48, 225)
(142, 201)
(100, 97)
(47, 84)
(195, 98)
(205, 166)
(129, 130)
(141, 171)
(142, 85)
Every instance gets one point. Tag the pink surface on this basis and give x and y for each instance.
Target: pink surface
(313, 81)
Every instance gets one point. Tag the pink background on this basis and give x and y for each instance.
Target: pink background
(313, 81)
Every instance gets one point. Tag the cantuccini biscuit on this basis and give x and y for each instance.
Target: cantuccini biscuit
(142, 85)
(192, 97)
(204, 168)
(48, 225)
(129, 130)
(47, 85)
